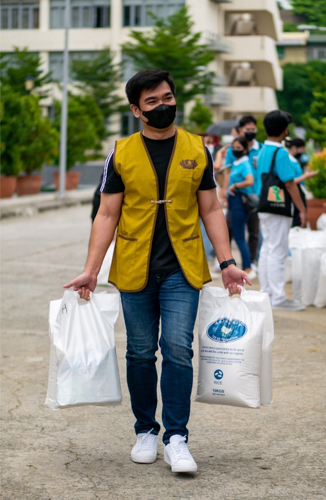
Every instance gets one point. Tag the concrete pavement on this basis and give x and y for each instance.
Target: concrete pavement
(84, 453)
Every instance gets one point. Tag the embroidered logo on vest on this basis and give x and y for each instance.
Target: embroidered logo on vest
(189, 164)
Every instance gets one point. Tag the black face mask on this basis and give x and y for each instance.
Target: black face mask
(298, 156)
(250, 135)
(162, 116)
(237, 153)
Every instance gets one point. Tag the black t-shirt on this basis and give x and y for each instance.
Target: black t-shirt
(162, 256)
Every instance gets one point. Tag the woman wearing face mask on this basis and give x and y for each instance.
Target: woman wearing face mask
(240, 181)
(296, 148)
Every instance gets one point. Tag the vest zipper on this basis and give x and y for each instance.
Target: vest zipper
(156, 210)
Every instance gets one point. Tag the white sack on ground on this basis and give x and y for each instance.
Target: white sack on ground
(320, 298)
(83, 362)
(321, 222)
(304, 276)
(230, 349)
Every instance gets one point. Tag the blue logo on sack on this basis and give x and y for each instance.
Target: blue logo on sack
(218, 374)
(224, 330)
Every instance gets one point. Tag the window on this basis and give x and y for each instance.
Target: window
(19, 15)
(84, 14)
(130, 124)
(135, 12)
(56, 62)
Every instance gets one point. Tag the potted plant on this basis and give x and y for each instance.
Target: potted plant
(12, 130)
(40, 145)
(317, 186)
(85, 130)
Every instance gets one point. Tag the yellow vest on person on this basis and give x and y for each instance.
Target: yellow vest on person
(131, 259)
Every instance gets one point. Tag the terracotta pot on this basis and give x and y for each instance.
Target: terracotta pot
(315, 208)
(72, 180)
(7, 186)
(28, 184)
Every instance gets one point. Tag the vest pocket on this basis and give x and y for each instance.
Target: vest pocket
(126, 252)
(192, 248)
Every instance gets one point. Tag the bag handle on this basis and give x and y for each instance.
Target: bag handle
(273, 160)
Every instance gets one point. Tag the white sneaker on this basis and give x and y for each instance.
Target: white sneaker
(288, 305)
(177, 455)
(145, 450)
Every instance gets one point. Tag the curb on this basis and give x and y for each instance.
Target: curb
(31, 205)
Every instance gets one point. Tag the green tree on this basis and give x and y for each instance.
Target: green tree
(13, 131)
(200, 117)
(16, 66)
(314, 11)
(173, 46)
(100, 78)
(300, 81)
(41, 140)
(85, 129)
(315, 119)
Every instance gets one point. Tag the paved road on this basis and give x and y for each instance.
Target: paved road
(84, 453)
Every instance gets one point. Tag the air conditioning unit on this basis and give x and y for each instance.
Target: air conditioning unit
(244, 28)
(243, 76)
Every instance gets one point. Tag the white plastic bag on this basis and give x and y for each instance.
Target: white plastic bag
(306, 247)
(235, 339)
(83, 362)
(320, 298)
(321, 222)
(103, 275)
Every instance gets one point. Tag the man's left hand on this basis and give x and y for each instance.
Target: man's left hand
(233, 278)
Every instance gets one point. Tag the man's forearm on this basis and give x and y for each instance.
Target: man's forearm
(101, 236)
(217, 232)
(294, 192)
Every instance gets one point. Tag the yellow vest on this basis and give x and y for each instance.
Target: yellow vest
(131, 259)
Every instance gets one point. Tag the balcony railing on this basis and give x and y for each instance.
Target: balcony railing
(218, 97)
(215, 42)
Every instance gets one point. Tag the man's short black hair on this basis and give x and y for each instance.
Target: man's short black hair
(297, 142)
(247, 119)
(276, 122)
(145, 80)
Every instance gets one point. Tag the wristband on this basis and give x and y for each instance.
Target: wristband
(227, 263)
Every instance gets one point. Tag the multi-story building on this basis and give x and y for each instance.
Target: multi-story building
(300, 47)
(243, 35)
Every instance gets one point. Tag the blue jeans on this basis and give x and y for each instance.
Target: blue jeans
(168, 297)
(239, 219)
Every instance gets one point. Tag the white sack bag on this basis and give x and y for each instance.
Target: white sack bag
(321, 222)
(257, 301)
(310, 273)
(103, 275)
(83, 362)
(230, 350)
(320, 298)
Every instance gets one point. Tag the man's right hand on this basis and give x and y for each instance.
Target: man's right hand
(83, 284)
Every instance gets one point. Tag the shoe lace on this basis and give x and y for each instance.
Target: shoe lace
(146, 441)
(180, 450)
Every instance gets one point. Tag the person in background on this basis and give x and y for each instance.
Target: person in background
(296, 148)
(248, 129)
(275, 228)
(240, 181)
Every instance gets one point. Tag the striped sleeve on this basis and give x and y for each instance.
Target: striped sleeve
(106, 169)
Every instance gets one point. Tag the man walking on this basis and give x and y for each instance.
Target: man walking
(275, 228)
(155, 185)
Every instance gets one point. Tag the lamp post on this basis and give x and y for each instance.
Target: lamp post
(64, 107)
